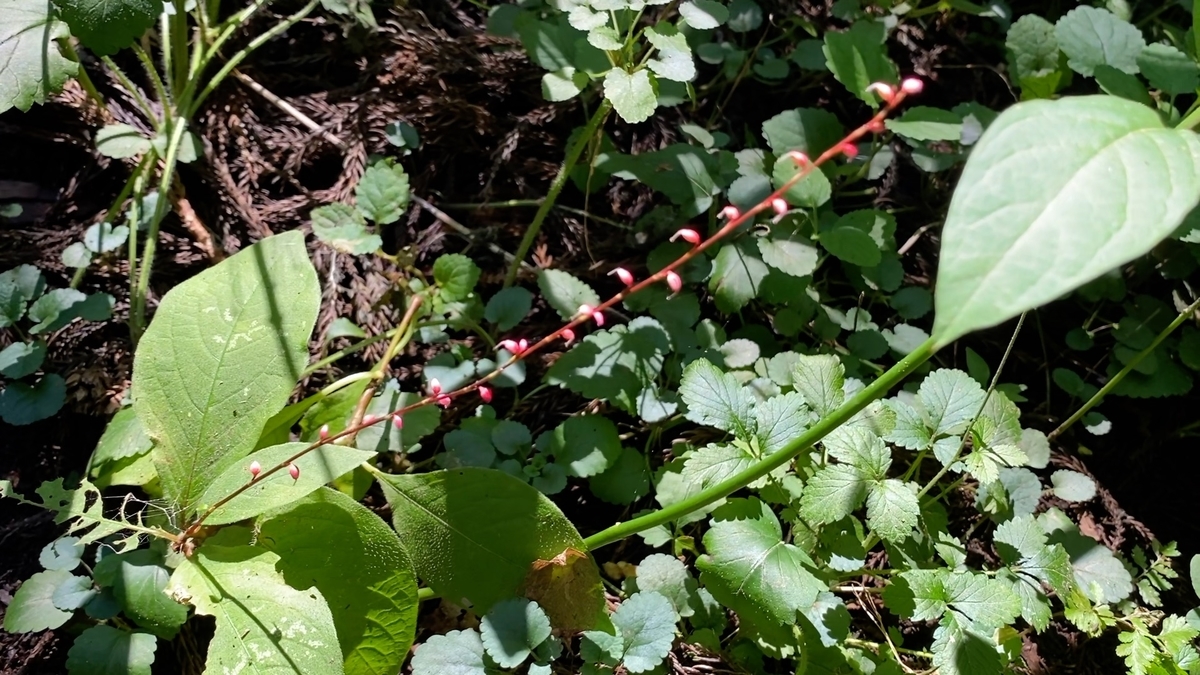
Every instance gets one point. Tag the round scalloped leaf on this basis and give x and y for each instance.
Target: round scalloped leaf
(104, 650)
(1091, 37)
(382, 193)
(703, 14)
(108, 26)
(61, 554)
(632, 95)
(512, 630)
(120, 141)
(22, 404)
(456, 275)
(459, 652)
(34, 68)
(565, 293)
(1072, 486)
(479, 535)
(1055, 194)
(137, 579)
(646, 624)
(1169, 69)
(508, 307)
(22, 358)
(358, 563)
(32, 608)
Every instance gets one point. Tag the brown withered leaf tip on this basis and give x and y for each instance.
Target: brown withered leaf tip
(568, 588)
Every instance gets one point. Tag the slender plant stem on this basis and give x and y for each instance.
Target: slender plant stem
(134, 91)
(1192, 119)
(837, 418)
(179, 47)
(111, 214)
(556, 186)
(164, 97)
(1116, 379)
(138, 186)
(236, 60)
(68, 50)
(356, 347)
(137, 314)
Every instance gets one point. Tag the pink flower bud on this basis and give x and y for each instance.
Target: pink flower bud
(674, 282)
(568, 335)
(324, 432)
(485, 393)
(398, 422)
(798, 157)
(912, 85)
(885, 91)
(585, 310)
(730, 212)
(850, 150)
(255, 469)
(522, 345)
(624, 275)
(780, 206)
(435, 387)
(687, 234)
(369, 419)
(443, 401)
(510, 346)
(294, 471)
(876, 127)
(598, 317)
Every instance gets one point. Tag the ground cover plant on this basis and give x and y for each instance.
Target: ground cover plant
(759, 451)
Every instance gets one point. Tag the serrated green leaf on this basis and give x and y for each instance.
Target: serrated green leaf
(137, 579)
(475, 533)
(833, 493)
(737, 275)
(32, 608)
(34, 68)
(667, 576)
(1169, 69)
(1000, 257)
(1072, 486)
(951, 399)
(704, 14)
(750, 569)
(1032, 47)
(343, 229)
(61, 554)
(646, 624)
(857, 58)
(22, 358)
(716, 399)
(456, 275)
(17, 287)
(712, 464)
(322, 465)
(809, 130)
(1091, 36)
(614, 364)
(789, 252)
(565, 293)
(74, 593)
(382, 193)
(459, 652)
(851, 245)
(262, 624)
(76, 255)
(104, 650)
(21, 403)
(107, 26)
(819, 378)
(221, 357)
(631, 95)
(674, 56)
(120, 141)
(893, 510)
(359, 565)
(779, 419)
(512, 630)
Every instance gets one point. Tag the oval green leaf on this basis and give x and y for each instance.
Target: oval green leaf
(221, 358)
(1055, 194)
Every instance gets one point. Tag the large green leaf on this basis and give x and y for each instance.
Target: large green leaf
(264, 626)
(107, 26)
(220, 358)
(104, 650)
(137, 579)
(33, 67)
(322, 465)
(1055, 194)
(477, 534)
(330, 541)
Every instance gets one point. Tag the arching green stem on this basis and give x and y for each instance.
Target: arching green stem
(765, 466)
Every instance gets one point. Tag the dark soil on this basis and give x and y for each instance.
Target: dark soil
(487, 135)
